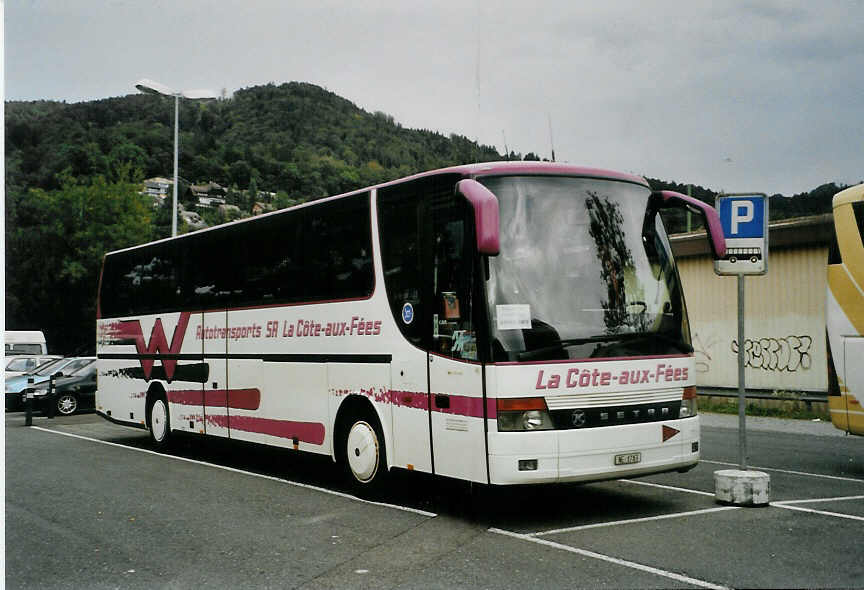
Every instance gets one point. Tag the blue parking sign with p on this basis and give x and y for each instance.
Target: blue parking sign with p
(743, 217)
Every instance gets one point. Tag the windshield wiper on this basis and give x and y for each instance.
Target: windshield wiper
(538, 352)
(677, 342)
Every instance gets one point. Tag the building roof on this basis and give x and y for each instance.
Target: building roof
(815, 230)
(206, 187)
(158, 180)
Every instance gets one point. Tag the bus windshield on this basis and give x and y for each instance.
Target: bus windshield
(583, 272)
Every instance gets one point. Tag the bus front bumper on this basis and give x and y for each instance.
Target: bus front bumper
(593, 454)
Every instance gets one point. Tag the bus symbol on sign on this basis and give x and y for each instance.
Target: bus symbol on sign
(744, 219)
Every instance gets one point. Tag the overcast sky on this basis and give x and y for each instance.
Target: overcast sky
(748, 95)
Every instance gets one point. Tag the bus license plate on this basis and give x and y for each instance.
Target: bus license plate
(628, 458)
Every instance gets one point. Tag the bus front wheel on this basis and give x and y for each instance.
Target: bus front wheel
(363, 456)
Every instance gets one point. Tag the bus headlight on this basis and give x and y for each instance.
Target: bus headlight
(688, 403)
(535, 420)
(524, 413)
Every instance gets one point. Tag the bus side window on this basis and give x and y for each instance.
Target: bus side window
(337, 243)
(271, 255)
(408, 217)
(399, 220)
(141, 282)
(211, 271)
(858, 210)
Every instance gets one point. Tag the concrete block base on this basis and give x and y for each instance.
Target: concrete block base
(742, 488)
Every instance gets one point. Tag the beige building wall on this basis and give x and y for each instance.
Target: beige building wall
(785, 321)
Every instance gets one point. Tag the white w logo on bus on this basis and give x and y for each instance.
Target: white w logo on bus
(130, 332)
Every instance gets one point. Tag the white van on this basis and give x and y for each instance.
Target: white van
(24, 342)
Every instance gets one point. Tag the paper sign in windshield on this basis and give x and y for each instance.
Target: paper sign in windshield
(513, 316)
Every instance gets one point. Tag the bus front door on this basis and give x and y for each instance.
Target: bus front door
(457, 418)
(457, 402)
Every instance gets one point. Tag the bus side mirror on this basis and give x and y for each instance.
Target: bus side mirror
(668, 199)
(485, 205)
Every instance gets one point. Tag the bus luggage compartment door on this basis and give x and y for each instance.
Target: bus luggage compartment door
(214, 391)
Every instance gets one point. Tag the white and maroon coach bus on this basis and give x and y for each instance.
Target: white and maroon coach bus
(501, 323)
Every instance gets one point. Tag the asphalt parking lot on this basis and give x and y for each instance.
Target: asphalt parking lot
(90, 505)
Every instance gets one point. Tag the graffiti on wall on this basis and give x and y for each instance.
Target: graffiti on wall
(702, 351)
(789, 354)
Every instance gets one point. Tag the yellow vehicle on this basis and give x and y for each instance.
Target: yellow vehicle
(844, 312)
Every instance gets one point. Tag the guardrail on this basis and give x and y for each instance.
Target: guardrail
(764, 395)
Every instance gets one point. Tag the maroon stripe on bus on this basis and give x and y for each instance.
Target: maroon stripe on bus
(187, 397)
(463, 405)
(238, 399)
(408, 399)
(309, 432)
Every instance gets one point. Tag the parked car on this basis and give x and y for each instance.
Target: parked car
(16, 388)
(18, 365)
(71, 393)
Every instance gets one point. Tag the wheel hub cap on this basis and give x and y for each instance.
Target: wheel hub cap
(67, 404)
(158, 420)
(363, 451)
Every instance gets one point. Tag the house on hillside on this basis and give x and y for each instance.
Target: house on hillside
(157, 187)
(207, 195)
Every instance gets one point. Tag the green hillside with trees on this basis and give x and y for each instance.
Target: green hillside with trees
(74, 173)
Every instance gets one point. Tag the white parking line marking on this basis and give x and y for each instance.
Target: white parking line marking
(657, 485)
(632, 520)
(610, 559)
(822, 512)
(789, 471)
(838, 499)
(233, 470)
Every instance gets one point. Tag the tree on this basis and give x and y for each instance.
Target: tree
(283, 200)
(54, 255)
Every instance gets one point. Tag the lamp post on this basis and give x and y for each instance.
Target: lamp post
(151, 87)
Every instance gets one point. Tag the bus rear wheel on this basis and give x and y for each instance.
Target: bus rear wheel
(159, 422)
(363, 456)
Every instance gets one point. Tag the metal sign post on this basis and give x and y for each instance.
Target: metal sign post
(744, 218)
(742, 397)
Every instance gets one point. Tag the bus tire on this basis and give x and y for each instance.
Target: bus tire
(362, 454)
(159, 421)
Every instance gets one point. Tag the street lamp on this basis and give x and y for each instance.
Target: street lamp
(151, 87)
